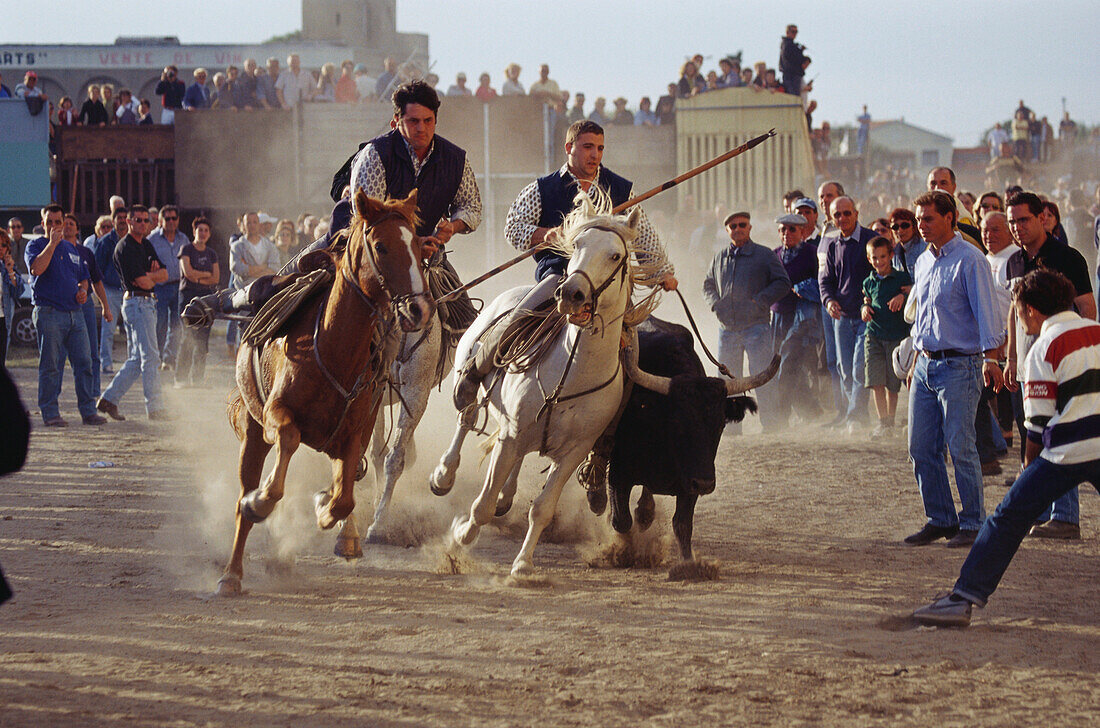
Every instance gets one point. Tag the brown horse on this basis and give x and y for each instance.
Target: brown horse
(319, 384)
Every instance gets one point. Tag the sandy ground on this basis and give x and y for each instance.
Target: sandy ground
(112, 622)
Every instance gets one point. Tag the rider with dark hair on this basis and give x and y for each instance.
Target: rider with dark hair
(410, 156)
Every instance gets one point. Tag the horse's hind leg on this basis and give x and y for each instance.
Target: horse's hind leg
(542, 510)
(254, 451)
(443, 477)
(280, 429)
(395, 463)
(508, 492)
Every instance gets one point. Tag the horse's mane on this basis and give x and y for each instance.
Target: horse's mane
(340, 239)
(595, 212)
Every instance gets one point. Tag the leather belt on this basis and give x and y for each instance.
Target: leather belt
(946, 354)
(134, 294)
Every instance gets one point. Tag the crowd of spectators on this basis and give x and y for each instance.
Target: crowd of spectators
(188, 265)
(857, 307)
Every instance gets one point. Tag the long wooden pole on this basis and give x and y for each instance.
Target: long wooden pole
(624, 206)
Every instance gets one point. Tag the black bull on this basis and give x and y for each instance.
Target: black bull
(667, 443)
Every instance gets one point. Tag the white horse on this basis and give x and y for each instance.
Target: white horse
(559, 406)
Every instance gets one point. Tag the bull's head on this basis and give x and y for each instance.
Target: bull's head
(734, 385)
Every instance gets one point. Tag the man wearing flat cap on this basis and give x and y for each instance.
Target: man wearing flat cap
(744, 280)
(795, 324)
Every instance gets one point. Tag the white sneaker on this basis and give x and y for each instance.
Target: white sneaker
(947, 611)
(854, 427)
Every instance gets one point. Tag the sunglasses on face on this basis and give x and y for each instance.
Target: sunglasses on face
(901, 226)
(142, 220)
(171, 217)
(788, 228)
(843, 213)
(737, 225)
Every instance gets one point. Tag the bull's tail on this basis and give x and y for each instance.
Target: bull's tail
(236, 412)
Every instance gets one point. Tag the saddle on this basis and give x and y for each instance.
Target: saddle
(271, 320)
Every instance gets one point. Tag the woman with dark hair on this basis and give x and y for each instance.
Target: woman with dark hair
(199, 276)
(989, 202)
(907, 241)
(1052, 221)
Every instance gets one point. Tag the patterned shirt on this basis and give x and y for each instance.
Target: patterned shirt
(368, 174)
(524, 214)
(1062, 389)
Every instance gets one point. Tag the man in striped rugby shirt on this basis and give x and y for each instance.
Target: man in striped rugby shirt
(1062, 413)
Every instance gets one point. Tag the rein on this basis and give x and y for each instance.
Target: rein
(556, 397)
(691, 319)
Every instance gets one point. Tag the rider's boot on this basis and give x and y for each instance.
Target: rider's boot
(478, 366)
(592, 473)
(199, 313)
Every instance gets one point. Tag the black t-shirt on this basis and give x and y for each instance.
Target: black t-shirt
(134, 259)
(201, 260)
(1053, 255)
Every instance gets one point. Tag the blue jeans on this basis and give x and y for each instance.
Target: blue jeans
(850, 356)
(756, 343)
(143, 359)
(168, 320)
(828, 328)
(107, 333)
(942, 401)
(90, 325)
(62, 333)
(1000, 537)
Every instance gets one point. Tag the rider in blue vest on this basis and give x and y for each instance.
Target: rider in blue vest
(535, 218)
(409, 156)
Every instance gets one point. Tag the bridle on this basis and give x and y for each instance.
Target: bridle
(376, 271)
(619, 271)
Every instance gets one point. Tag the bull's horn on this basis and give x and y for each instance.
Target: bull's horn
(653, 382)
(737, 386)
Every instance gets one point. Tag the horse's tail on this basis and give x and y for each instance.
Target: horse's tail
(236, 412)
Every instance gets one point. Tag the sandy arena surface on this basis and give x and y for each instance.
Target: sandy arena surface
(112, 622)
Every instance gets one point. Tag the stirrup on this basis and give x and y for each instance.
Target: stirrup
(592, 473)
(198, 313)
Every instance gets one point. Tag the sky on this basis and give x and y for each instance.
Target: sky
(950, 67)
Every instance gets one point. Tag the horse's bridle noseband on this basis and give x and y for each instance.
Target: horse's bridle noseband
(376, 271)
(619, 269)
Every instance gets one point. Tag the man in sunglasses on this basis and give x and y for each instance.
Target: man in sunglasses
(140, 271)
(168, 241)
(744, 280)
(908, 244)
(841, 280)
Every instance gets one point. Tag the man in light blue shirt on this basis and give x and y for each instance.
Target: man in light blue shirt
(956, 322)
(168, 241)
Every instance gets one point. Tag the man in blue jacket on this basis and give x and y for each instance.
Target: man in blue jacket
(744, 280)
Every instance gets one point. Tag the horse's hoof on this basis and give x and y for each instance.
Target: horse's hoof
(597, 500)
(441, 481)
(503, 506)
(256, 509)
(348, 548)
(325, 519)
(463, 531)
(523, 567)
(229, 586)
(375, 539)
(644, 517)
